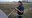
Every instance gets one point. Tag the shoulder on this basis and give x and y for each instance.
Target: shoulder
(22, 5)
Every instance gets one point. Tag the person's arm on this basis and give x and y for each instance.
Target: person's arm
(19, 10)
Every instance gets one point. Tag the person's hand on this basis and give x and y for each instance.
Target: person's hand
(21, 11)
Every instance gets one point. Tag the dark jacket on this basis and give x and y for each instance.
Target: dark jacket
(21, 8)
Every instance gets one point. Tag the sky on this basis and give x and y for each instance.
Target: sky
(9, 0)
(13, 0)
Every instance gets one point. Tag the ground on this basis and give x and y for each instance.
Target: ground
(7, 8)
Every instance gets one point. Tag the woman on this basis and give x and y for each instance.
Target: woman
(20, 9)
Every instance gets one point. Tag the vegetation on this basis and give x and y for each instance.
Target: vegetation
(7, 8)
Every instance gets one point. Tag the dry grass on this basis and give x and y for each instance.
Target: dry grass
(7, 8)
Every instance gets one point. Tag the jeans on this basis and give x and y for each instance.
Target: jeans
(19, 16)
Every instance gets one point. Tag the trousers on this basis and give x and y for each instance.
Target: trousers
(19, 16)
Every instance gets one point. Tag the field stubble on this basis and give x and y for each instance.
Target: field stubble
(7, 8)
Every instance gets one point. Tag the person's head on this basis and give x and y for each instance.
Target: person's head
(20, 3)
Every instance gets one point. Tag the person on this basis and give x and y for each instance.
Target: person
(20, 9)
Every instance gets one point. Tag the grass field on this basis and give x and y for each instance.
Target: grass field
(7, 8)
